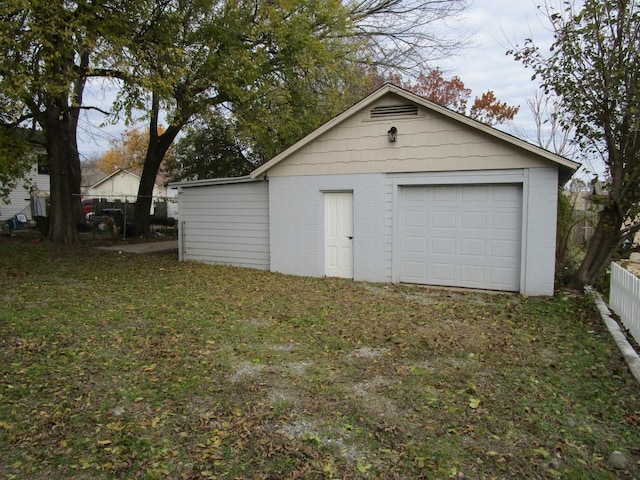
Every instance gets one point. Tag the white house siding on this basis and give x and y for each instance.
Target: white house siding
(122, 185)
(297, 223)
(20, 197)
(225, 224)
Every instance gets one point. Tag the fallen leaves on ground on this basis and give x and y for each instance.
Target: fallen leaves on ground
(126, 366)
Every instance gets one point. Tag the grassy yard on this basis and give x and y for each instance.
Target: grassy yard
(124, 366)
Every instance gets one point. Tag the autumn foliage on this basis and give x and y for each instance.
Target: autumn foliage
(452, 94)
(488, 109)
(129, 151)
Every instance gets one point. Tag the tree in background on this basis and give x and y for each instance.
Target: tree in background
(274, 70)
(488, 109)
(128, 151)
(218, 148)
(48, 51)
(592, 67)
(452, 94)
(178, 59)
(552, 132)
(210, 149)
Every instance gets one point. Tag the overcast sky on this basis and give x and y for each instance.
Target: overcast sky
(496, 26)
(493, 26)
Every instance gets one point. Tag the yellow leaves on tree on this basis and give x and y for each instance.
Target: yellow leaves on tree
(129, 151)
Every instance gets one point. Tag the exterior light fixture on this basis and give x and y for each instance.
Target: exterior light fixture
(392, 134)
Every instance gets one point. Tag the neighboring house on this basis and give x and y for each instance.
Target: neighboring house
(29, 198)
(395, 189)
(123, 185)
(91, 175)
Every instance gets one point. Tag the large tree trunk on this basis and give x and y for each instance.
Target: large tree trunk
(142, 212)
(603, 244)
(64, 165)
(156, 150)
(74, 159)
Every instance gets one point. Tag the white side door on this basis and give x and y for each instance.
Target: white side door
(338, 234)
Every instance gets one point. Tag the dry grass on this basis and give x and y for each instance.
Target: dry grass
(123, 366)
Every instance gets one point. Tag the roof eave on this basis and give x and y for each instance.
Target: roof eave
(213, 181)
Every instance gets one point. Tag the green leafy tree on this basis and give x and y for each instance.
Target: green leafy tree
(222, 144)
(210, 149)
(592, 68)
(18, 148)
(179, 58)
(48, 50)
(277, 69)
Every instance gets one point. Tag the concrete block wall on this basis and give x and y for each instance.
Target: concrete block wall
(540, 224)
(297, 223)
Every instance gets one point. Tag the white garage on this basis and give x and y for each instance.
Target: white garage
(461, 235)
(395, 189)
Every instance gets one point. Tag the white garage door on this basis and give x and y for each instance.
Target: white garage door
(461, 235)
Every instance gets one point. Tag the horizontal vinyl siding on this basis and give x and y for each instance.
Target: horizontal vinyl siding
(225, 224)
(20, 197)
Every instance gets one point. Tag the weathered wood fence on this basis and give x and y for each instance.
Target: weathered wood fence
(624, 298)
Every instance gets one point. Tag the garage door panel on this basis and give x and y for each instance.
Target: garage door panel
(505, 249)
(502, 195)
(475, 220)
(415, 218)
(474, 193)
(443, 245)
(472, 235)
(442, 272)
(474, 274)
(506, 220)
(442, 219)
(473, 247)
(415, 195)
(415, 245)
(441, 195)
(415, 271)
(502, 276)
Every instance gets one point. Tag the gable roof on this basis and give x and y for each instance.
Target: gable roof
(115, 173)
(160, 178)
(566, 166)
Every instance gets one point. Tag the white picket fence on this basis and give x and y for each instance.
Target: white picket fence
(624, 298)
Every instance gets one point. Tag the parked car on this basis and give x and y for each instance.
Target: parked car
(88, 208)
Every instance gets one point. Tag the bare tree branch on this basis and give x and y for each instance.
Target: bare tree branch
(404, 34)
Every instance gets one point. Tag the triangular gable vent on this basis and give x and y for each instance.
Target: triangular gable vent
(387, 111)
